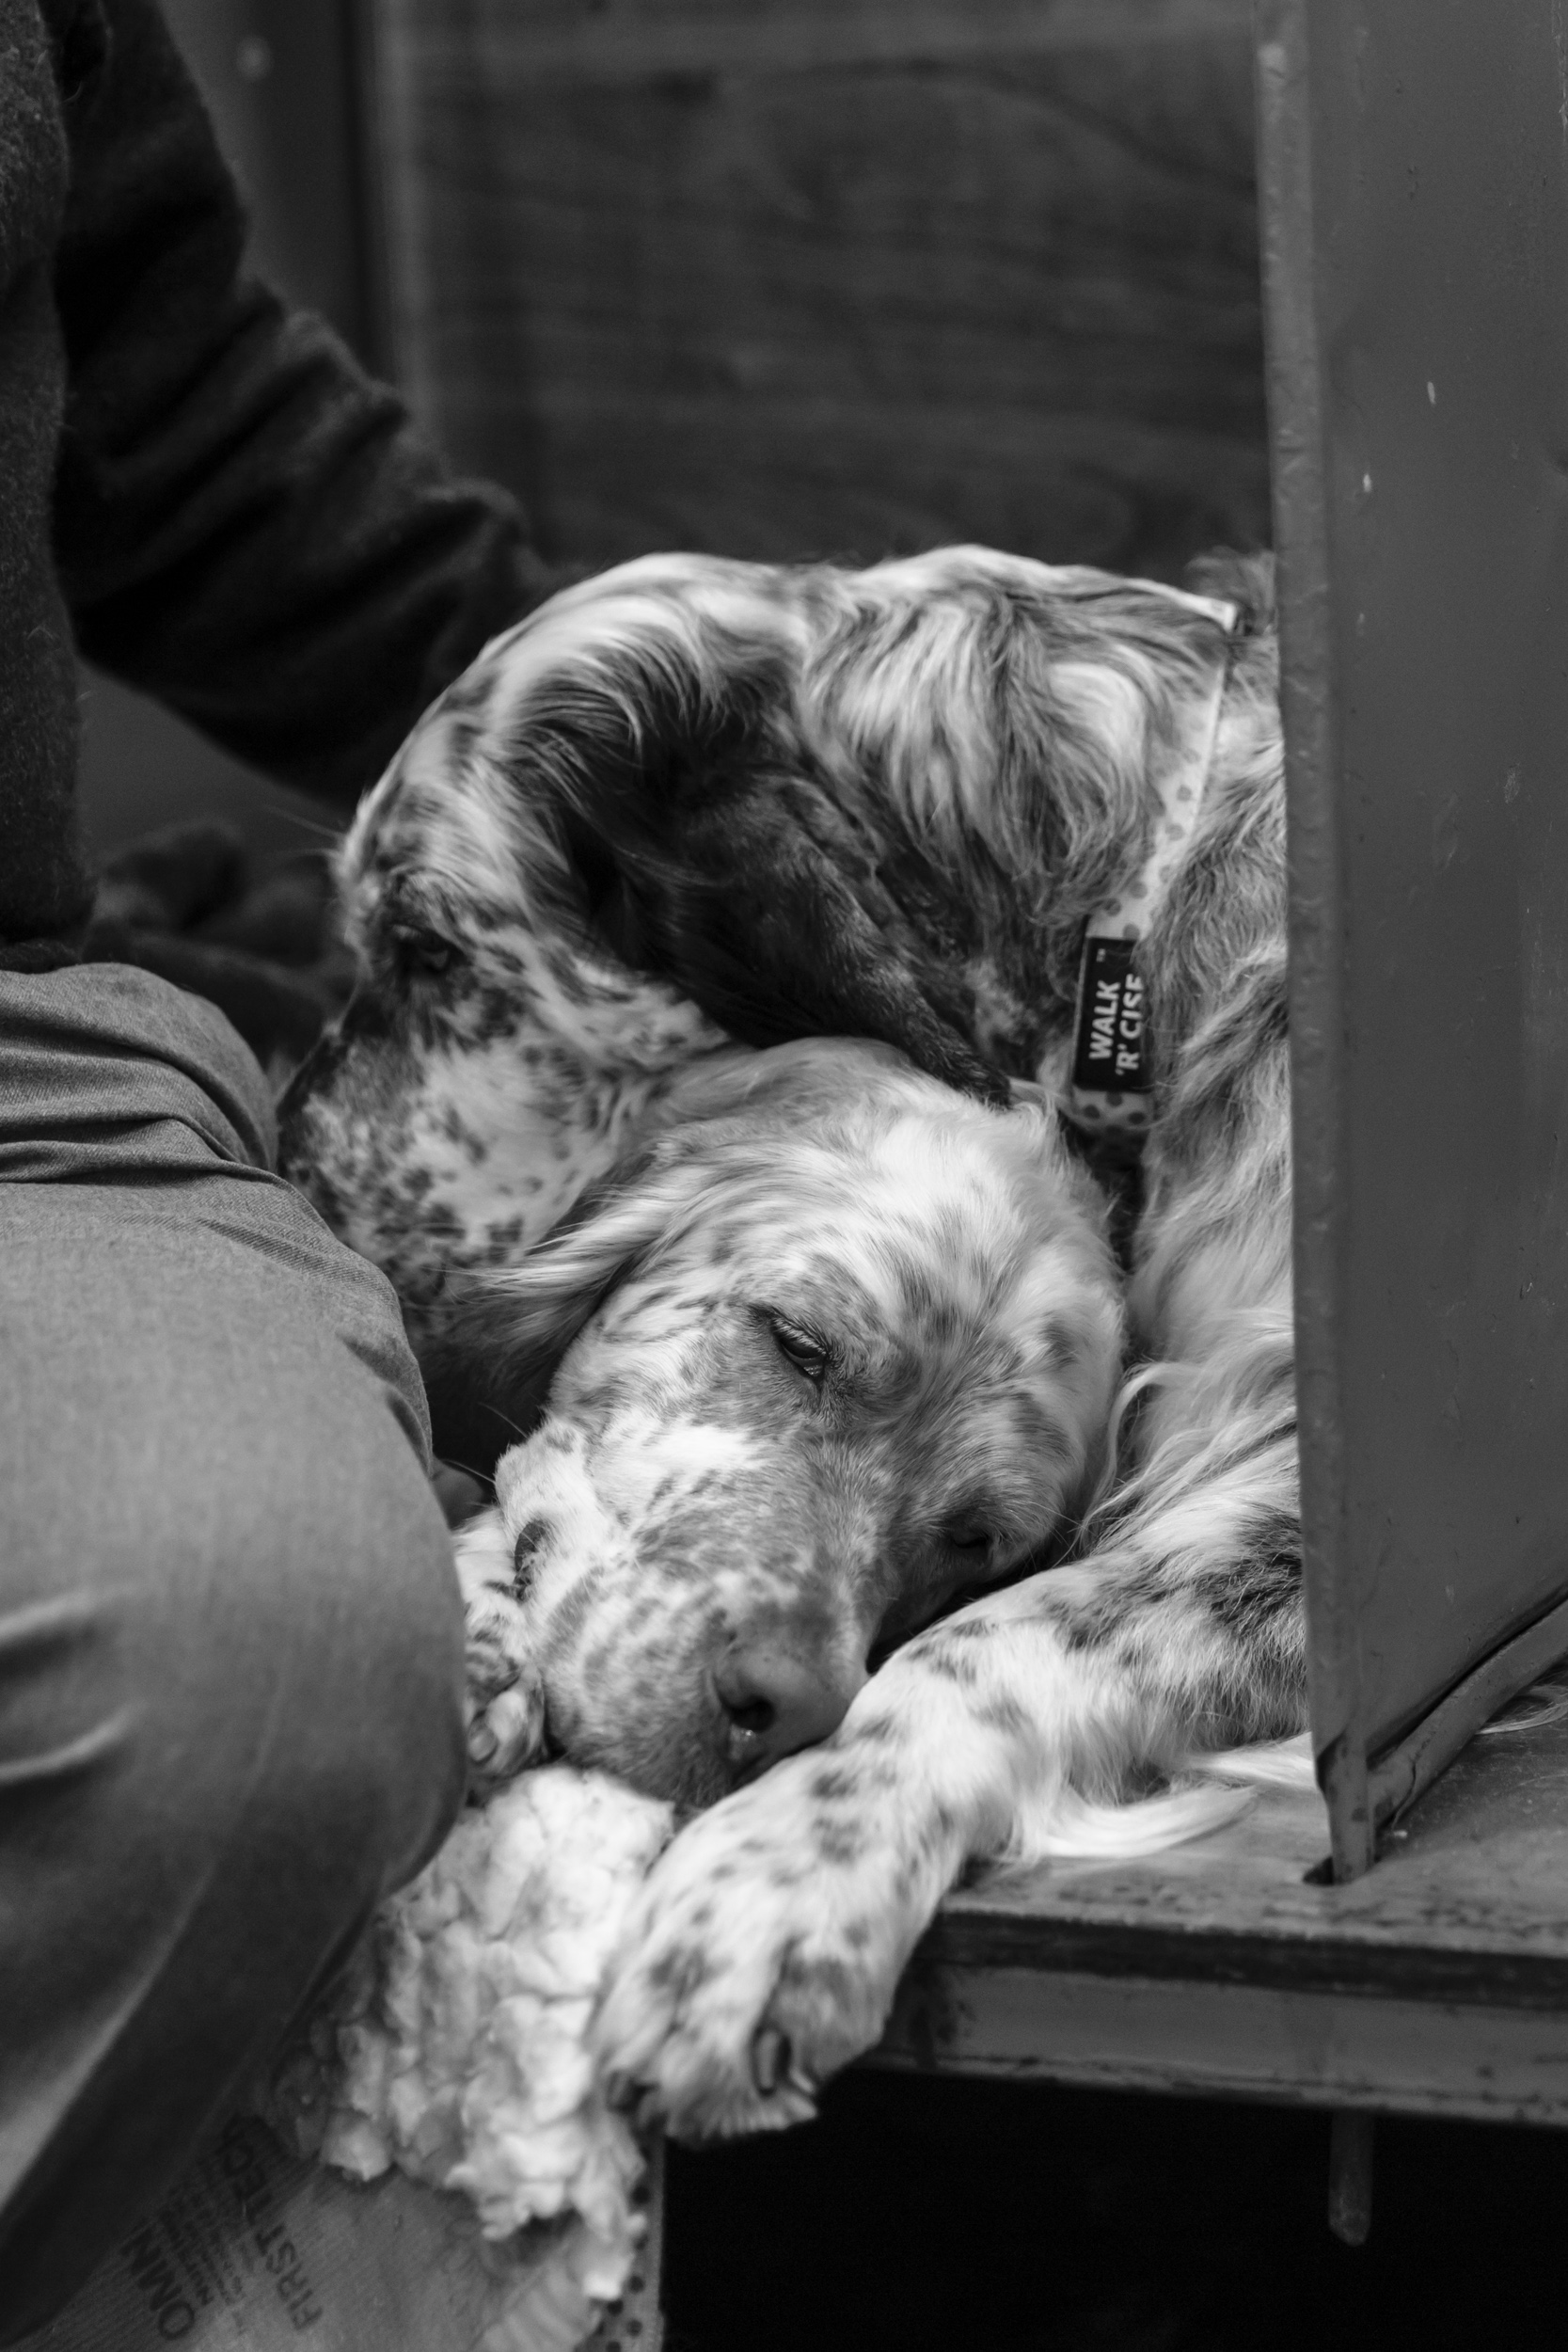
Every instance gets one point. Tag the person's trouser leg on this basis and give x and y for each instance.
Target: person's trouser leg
(230, 1644)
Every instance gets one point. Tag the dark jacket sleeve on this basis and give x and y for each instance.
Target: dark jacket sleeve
(246, 525)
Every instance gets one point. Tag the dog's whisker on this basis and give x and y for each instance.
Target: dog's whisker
(469, 1470)
(495, 1413)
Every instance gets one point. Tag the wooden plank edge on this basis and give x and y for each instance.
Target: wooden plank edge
(1320, 1958)
(1285, 2047)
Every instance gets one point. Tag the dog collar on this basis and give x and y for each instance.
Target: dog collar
(1110, 1090)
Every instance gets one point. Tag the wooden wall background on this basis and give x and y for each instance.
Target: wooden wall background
(796, 277)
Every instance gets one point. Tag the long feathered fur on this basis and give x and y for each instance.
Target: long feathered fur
(696, 802)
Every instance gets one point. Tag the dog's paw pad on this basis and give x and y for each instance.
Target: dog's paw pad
(506, 1734)
(505, 1699)
(755, 1966)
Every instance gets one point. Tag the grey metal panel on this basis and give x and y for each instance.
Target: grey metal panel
(1417, 263)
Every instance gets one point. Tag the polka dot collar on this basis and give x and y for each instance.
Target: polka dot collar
(1110, 1092)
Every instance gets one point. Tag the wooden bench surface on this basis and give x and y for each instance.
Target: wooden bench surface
(1436, 1984)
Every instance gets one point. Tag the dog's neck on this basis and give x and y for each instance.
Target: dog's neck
(1110, 1092)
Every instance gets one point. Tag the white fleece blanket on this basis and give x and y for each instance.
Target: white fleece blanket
(458, 2048)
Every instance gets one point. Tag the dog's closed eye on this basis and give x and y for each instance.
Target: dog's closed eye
(806, 1350)
(419, 949)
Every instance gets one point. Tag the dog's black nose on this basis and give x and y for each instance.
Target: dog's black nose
(776, 1699)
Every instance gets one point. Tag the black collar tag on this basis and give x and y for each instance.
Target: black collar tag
(1111, 1079)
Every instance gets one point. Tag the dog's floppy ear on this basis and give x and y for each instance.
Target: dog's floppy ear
(503, 1332)
(488, 1368)
(780, 1085)
(510, 1327)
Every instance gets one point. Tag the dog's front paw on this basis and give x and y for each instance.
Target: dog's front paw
(764, 1952)
(505, 1697)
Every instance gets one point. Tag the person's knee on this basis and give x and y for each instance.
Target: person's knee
(275, 1622)
(267, 1647)
(382, 1621)
(231, 1701)
(339, 1640)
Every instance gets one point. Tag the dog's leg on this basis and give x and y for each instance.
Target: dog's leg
(505, 1699)
(548, 1524)
(771, 1936)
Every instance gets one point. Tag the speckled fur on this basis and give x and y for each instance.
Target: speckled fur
(691, 1484)
(967, 737)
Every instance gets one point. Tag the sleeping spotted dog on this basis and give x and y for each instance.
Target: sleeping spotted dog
(833, 1338)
